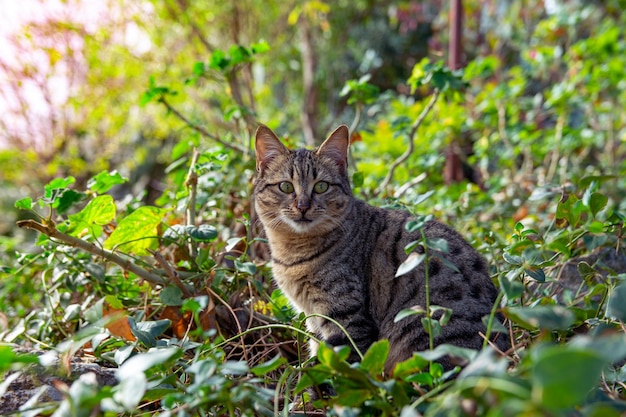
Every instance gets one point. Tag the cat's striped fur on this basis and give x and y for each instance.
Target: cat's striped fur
(337, 256)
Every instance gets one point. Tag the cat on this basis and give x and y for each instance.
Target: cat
(336, 256)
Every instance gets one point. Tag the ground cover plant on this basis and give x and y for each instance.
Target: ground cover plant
(129, 305)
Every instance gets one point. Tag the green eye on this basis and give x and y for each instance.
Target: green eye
(286, 187)
(321, 187)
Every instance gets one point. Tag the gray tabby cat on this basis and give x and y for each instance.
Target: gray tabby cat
(337, 256)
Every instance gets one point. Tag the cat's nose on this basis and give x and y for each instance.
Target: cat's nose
(303, 205)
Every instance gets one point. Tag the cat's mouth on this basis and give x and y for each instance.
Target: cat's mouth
(303, 220)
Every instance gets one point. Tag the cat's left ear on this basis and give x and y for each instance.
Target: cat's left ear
(267, 146)
(336, 147)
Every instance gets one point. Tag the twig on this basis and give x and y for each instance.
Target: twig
(191, 182)
(171, 273)
(199, 128)
(409, 151)
(51, 231)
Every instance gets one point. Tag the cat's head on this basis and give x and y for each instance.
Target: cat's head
(302, 191)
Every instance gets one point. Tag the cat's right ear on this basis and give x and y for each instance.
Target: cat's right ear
(267, 146)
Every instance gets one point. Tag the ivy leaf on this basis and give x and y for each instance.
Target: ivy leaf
(98, 212)
(171, 296)
(57, 184)
(104, 181)
(203, 233)
(24, 203)
(137, 232)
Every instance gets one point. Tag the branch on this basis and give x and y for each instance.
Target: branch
(409, 151)
(199, 128)
(51, 231)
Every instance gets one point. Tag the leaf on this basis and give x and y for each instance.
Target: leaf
(99, 211)
(536, 273)
(423, 197)
(67, 199)
(24, 203)
(562, 376)
(374, 359)
(104, 181)
(357, 179)
(410, 263)
(203, 233)
(137, 232)
(431, 326)
(147, 331)
(410, 366)
(118, 324)
(57, 184)
(171, 296)
(245, 267)
(439, 244)
(415, 310)
(269, 366)
(513, 259)
(616, 307)
(141, 362)
(541, 317)
(597, 202)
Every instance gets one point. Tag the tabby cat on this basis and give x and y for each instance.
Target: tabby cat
(337, 256)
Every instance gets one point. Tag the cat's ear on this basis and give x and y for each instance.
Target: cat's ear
(336, 147)
(267, 146)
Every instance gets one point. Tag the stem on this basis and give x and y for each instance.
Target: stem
(191, 182)
(51, 231)
(409, 151)
(200, 129)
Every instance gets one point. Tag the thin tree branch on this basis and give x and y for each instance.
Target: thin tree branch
(49, 229)
(200, 129)
(171, 273)
(409, 151)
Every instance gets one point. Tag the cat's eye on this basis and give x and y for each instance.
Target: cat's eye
(286, 187)
(321, 187)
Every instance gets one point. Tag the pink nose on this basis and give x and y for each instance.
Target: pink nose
(303, 205)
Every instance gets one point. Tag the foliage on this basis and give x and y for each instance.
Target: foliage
(174, 291)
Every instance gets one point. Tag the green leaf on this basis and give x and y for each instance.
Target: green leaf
(24, 204)
(260, 47)
(402, 314)
(597, 202)
(104, 181)
(616, 307)
(202, 233)
(432, 326)
(171, 296)
(513, 259)
(269, 366)
(562, 376)
(357, 179)
(439, 244)
(245, 267)
(137, 232)
(410, 366)
(541, 317)
(147, 331)
(141, 362)
(98, 212)
(536, 273)
(374, 359)
(410, 263)
(57, 184)
(67, 199)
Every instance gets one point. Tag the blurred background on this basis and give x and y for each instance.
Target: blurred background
(79, 87)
